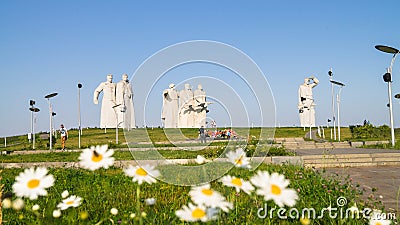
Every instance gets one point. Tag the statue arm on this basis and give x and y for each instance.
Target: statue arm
(96, 94)
(316, 81)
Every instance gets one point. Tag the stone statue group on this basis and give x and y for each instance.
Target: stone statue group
(185, 108)
(117, 103)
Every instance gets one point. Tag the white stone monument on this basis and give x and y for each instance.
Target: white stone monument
(124, 98)
(200, 106)
(108, 115)
(170, 109)
(186, 110)
(306, 102)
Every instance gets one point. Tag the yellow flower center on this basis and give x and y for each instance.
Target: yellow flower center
(207, 192)
(237, 182)
(239, 161)
(275, 189)
(198, 213)
(141, 172)
(378, 223)
(34, 183)
(97, 157)
(70, 203)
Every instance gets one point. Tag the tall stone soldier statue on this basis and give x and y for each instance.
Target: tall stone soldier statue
(200, 107)
(170, 109)
(124, 98)
(186, 110)
(107, 116)
(306, 103)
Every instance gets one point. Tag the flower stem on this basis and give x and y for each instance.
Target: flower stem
(138, 204)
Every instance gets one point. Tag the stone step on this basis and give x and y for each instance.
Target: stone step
(352, 160)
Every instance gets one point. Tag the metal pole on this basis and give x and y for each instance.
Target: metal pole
(338, 112)
(391, 111)
(51, 125)
(33, 134)
(333, 109)
(79, 117)
(31, 126)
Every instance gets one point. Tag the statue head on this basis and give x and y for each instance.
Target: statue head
(200, 87)
(109, 78)
(125, 77)
(187, 86)
(171, 85)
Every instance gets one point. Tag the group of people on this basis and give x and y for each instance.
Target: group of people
(216, 134)
(117, 104)
(185, 108)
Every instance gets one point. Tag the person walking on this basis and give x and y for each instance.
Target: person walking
(202, 134)
(64, 136)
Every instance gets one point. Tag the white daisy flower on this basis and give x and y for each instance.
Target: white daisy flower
(239, 184)
(114, 211)
(146, 173)
(18, 204)
(238, 158)
(377, 218)
(379, 222)
(32, 183)
(274, 187)
(56, 213)
(65, 194)
(35, 207)
(204, 195)
(192, 213)
(96, 158)
(150, 201)
(7, 203)
(200, 159)
(71, 201)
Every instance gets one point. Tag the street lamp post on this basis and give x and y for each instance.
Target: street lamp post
(51, 116)
(338, 103)
(32, 104)
(116, 128)
(387, 77)
(79, 115)
(330, 73)
(33, 110)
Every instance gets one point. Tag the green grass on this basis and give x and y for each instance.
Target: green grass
(209, 153)
(106, 189)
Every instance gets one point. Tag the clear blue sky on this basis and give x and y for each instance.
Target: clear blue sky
(50, 46)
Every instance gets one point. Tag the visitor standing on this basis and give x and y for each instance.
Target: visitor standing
(64, 136)
(202, 134)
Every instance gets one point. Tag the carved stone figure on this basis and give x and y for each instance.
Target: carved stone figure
(200, 106)
(124, 98)
(108, 116)
(186, 110)
(170, 109)
(306, 102)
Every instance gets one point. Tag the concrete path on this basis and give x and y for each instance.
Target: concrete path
(385, 180)
(382, 183)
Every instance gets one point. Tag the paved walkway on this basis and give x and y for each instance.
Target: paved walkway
(382, 183)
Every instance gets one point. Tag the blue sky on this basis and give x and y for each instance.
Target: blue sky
(50, 46)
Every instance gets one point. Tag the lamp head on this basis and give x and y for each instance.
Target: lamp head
(387, 77)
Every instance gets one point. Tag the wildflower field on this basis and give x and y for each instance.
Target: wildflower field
(100, 193)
